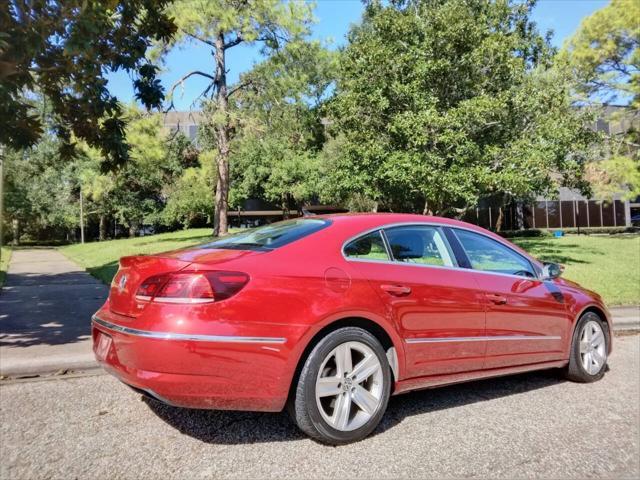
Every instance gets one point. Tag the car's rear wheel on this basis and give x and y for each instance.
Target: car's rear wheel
(343, 388)
(588, 359)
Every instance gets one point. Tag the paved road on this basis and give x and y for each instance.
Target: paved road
(531, 425)
(45, 307)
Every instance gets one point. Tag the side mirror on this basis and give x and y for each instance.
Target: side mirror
(551, 271)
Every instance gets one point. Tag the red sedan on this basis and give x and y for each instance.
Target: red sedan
(330, 315)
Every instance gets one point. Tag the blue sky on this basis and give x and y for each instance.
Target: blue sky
(333, 20)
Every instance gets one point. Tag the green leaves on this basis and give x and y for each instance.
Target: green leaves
(63, 50)
(605, 53)
(441, 103)
(272, 22)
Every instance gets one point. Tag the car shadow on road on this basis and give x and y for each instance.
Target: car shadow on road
(226, 427)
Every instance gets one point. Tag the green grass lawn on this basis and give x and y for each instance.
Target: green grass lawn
(101, 258)
(608, 265)
(4, 264)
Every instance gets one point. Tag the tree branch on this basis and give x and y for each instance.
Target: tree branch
(241, 86)
(233, 42)
(182, 80)
(203, 94)
(199, 38)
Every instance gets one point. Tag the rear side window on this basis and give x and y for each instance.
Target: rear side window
(370, 247)
(270, 236)
(419, 244)
(491, 256)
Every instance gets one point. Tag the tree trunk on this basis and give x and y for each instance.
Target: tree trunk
(15, 226)
(427, 210)
(133, 229)
(103, 227)
(222, 129)
(505, 199)
(499, 219)
(374, 209)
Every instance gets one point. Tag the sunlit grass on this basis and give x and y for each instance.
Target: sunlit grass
(101, 258)
(608, 264)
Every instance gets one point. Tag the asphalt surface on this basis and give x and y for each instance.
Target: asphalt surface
(530, 425)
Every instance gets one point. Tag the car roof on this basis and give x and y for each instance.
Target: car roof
(363, 221)
(372, 219)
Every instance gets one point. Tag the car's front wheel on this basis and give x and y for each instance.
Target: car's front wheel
(588, 359)
(343, 388)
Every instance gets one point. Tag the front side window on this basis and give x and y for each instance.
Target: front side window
(270, 236)
(370, 247)
(491, 256)
(419, 244)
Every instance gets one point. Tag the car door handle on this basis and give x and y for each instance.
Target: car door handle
(497, 299)
(396, 290)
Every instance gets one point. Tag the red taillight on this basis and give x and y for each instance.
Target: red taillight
(151, 286)
(192, 287)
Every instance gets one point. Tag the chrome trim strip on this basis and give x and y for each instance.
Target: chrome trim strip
(185, 336)
(440, 225)
(479, 339)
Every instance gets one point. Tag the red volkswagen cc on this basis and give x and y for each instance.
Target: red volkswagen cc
(330, 315)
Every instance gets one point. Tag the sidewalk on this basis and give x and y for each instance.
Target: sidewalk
(45, 311)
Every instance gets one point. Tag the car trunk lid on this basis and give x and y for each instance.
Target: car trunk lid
(135, 269)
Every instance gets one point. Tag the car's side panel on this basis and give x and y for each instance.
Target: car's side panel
(441, 319)
(531, 326)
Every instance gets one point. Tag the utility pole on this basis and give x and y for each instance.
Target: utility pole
(81, 217)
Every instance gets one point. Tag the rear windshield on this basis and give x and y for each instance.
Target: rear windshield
(270, 236)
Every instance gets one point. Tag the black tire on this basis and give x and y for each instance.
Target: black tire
(303, 407)
(575, 371)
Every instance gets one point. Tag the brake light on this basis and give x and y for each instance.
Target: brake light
(191, 287)
(148, 288)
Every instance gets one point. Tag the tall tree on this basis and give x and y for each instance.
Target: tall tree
(222, 25)
(279, 130)
(41, 192)
(441, 102)
(605, 53)
(64, 49)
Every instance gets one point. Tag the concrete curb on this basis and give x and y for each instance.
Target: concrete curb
(54, 364)
(626, 319)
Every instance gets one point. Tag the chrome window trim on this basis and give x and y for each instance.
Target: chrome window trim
(184, 336)
(480, 339)
(440, 225)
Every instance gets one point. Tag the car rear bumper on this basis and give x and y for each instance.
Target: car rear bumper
(225, 372)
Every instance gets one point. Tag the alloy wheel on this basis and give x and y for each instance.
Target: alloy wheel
(593, 348)
(349, 387)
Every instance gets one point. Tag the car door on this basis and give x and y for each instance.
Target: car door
(526, 321)
(436, 306)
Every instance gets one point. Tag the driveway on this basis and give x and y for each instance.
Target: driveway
(530, 425)
(45, 311)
